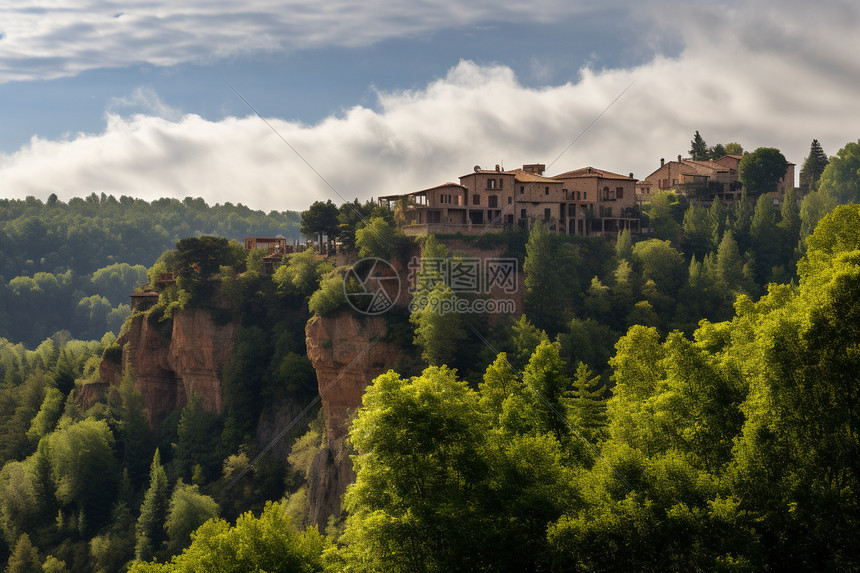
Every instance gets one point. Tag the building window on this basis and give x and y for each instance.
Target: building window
(510, 200)
(619, 192)
(476, 199)
(491, 183)
(493, 201)
(522, 213)
(546, 190)
(522, 189)
(546, 214)
(578, 196)
(585, 195)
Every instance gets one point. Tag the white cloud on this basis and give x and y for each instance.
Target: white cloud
(145, 100)
(54, 38)
(728, 83)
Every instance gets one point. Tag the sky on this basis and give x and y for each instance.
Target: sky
(152, 98)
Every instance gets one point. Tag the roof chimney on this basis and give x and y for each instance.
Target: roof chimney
(679, 159)
(662, 162)
(631, 175)
(477, 168)
(498, 169)
(534, 168)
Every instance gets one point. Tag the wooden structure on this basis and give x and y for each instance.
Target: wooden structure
(143, 301)
(271, 244)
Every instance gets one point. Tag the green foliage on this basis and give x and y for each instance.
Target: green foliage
(840, 180)
(699, 149)
(665, 212)
(329, 297)
(734, 148)
(266, 543)
(321, 219)
(812, 168)
(438, 325)
(660, 262)
(56, 254)
(302, 273)
(134, 437)
(188, 510)
(378, 238)
(760, 170)
(438, 490)
(49, 414)
(624, 245)
(151, 536)
(82, 468)
(197, 439)
(543, 301)
(25, 557)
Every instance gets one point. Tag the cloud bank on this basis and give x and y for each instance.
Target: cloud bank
(745, 75)
(53, 38)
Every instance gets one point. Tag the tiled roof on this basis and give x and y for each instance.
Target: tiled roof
(526, 177)
(708, 165)
(592, 172)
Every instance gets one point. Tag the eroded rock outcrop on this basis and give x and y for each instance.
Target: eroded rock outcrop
(348, 351)
(172, 363)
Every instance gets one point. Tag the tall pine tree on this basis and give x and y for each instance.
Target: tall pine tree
(151, 536)
(699, 149)
(813, 167)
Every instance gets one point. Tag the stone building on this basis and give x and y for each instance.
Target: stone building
(703, 181)
(585, 201)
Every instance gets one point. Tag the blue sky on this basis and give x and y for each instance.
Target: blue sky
(391, 96)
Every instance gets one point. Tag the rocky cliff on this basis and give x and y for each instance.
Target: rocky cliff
(170, 364)
(346, 358)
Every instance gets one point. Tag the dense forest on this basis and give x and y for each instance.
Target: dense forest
(71, 266)
(684, 401)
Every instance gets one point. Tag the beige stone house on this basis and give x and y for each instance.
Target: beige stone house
(586, 201)
(703, 181)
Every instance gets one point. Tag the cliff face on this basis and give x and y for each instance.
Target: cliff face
(168, 372)
(346, 359)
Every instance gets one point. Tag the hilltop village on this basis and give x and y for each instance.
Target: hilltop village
(584, 202)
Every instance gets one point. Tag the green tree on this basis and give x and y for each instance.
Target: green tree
(760, 170)
(734, 149)
(665, 212)
(660, 262)
(196, 441)
(265, 543)
(25, 557)
(812, 168)
(587, 405)
(188, 510)
(767, 241)
(717, 151)
(151, 536)
(438, 325)
(624, 245)
(134, 436)
(698, 232)
(541, 302)
(321, 219)
(48, 416)
(698, 148)
(83, 470)
(840, 180)
(379, 238)
(302, 274)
